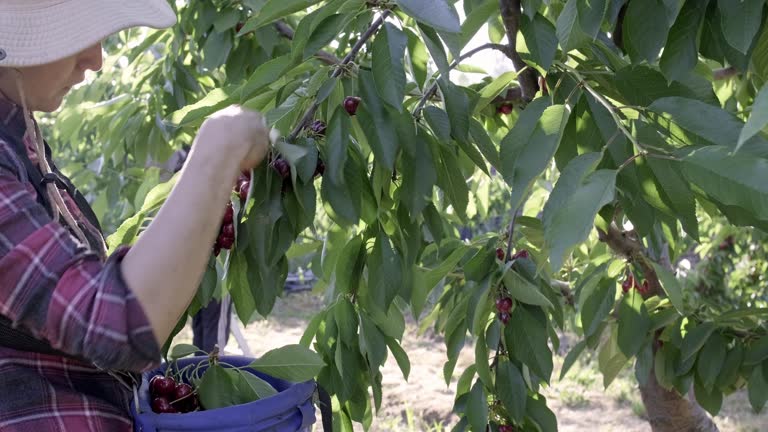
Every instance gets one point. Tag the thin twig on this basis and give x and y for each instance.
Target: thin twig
(339, 70)
(324, 56)
(433, 89)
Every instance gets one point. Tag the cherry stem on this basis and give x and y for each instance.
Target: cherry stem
(339, 70)
(433, 89)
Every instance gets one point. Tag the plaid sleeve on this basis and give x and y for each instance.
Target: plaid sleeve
(62, 293)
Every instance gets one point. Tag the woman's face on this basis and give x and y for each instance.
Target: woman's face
(46, 85)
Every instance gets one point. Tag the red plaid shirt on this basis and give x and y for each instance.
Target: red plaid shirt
(71, 298)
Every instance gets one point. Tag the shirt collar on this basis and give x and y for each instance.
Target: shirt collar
(12, 119)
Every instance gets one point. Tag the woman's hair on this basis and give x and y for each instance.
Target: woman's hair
(58, 205)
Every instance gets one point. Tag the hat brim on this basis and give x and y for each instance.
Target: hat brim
(34, 34)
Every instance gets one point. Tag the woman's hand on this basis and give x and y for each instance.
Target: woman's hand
(242, 132)
(165, 266)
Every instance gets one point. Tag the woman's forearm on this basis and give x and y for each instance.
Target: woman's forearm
(165, 266)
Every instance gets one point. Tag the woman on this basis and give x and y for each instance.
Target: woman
(72, 315)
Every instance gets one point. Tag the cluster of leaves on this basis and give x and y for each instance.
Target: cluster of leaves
(626, 128)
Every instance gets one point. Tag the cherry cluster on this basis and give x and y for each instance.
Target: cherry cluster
(226, 237)
(503, 306)
(632, 282)
(168, 396)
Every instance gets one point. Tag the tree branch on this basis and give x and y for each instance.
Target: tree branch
(324, 56)
(627, 245)
(433, 89)
(510, 14)
(339, 70)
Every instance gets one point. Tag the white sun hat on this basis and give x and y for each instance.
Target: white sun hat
(35, 32)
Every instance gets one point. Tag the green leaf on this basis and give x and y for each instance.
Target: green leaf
(711, 358)
(645, 29)
(457, 106)
(418, 173)
(426, 279)
(484, 143)
(526, 336)
(569, 214)
(384, 272)
(400, 356)
(757, 388)
(709, 122)
(450, 179)
(537, 410)
(262, 388)
(729, 373)
(337, 140)
(695, 339)
(439, 14)
(758, 120)
(216, 50)
(350, 265)
(511, 390)
(571, 358)
(681, 53)
(611, 359)
(490, 91)
(540, 38)
(274, 10)
(734, 180)
(217, 389)
(522, 290)
(634, 324)
(372, 342)
(264, 75)
(676, 192)
(477, 407)
(671, 287)
(377, 122)
(591, 13)
(741, 20)
(712, 401)
(477, 17)
(568, 29)
(530, 145)
(293, 363)
(346, 321)
(757, 352)
(598, 303)
(760, 55)
(388, 52)
(182, 350)
(435, 48)
(323, 34)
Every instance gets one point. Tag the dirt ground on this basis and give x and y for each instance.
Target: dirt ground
(424, 402)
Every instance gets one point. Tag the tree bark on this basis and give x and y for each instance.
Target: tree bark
(668, 411)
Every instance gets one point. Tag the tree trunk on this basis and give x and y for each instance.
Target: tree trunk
(668, 411)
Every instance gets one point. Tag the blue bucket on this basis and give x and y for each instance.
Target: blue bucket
(290, 410)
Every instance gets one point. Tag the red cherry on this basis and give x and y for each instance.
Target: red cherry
(161, 385)
(318, 127)
(350, 104)
(628, 283)
(506, 428)
(504, 304)
(229, 214)
(239, 27)
(243, 192)
(246, 175)
(505, 109)
(504, 317)
(226, 242)
(161, 405)
(522, 254)
(646, 288)
(282, 168)
(228, 230)
(500, 254)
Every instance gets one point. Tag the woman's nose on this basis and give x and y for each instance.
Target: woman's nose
(92, 58)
